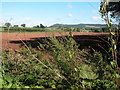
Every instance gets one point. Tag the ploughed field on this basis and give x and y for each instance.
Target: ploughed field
(93, 41)
(86, 40)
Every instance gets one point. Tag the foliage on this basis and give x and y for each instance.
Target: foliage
(42, 26)
(67, 67)
(23, 25)
(113, 7)
(15, 28)
(113, 35)
(7, 24)
(25, 29)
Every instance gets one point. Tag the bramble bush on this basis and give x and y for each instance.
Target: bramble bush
(66, 67)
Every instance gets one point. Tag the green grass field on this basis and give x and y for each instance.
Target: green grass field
(40, 30)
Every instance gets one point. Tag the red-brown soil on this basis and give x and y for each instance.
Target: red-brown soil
(7, 38)
(97, 41)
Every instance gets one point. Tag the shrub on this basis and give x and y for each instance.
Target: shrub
(67, 67)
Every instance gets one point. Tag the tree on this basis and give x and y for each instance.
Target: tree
(23, 25)
(15, 26)
(7, 24)
(113, 8)
(104, 29)
(42, 26)
(37, 26)
(113, 38)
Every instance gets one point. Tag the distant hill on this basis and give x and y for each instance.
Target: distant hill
(87, 26)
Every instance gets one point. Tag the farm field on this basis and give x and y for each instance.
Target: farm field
(60, 45)
(89, 41)
(9, 40)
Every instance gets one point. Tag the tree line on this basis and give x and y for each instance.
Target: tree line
(23, 25)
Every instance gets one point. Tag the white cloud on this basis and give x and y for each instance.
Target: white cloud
(70, 14)
(96, 18)
(102, 22)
